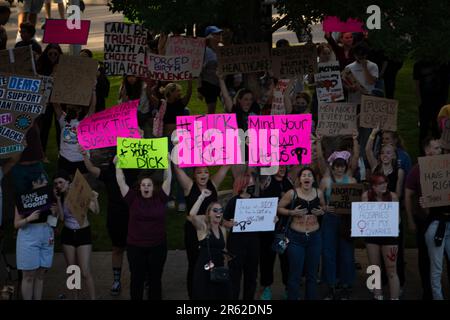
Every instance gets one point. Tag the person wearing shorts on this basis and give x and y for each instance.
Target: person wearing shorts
(28, 11)
(75, 236)
(35, 242)
(48, 8)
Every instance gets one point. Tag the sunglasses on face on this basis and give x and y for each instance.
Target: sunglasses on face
(217, 210)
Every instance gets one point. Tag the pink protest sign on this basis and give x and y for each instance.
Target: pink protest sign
(333, 24)
(56, 31)
(291, 133)
(102, 128)
(207, 140)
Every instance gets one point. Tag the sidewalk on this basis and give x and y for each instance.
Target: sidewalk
(174, 277)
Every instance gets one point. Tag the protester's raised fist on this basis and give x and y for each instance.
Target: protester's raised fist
(206, 193)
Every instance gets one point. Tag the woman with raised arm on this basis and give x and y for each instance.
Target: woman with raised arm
(76, 237)
(192, 189)
(212, 238)
(146, 240)
(305, 240)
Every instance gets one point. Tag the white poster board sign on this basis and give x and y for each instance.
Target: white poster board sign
(375, 219)
(255, 214)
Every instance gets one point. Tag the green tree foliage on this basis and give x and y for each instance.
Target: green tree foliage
(417, 27)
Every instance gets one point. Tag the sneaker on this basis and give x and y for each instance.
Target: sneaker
(115, 288)
(378, 297)
(182, 207)
(345, 294)
(266, 294)
(171, 204)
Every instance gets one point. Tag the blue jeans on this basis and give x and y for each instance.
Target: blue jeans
(303, 250)
(437, 257)
(337, 253)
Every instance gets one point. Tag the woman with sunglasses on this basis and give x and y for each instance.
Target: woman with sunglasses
(192, 188)
(388, 246)
(212, 242)
(305, 240)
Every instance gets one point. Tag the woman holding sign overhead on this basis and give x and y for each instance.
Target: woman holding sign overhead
(146, 240)
(305, 241)
(387, 245)
(212, 239)
(76, 237)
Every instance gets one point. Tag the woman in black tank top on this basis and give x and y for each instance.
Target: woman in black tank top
(192, 189)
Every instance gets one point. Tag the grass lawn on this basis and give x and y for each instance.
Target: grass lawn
(407, 121)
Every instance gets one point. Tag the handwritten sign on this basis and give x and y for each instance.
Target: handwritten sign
(102, 128)
(329, 83)
(334, 24)
(375, 219)
(170, 68)
(207, 140)
(253, 215)
(125, 51)
(434, 180)
(294, 62)
(336, 119)
(293, 139)
(350, 80)
(143, 153)
(18, 61)
(445, 136)
(278, 97)
(343, 194)
(78, 198)
(38, 199)
(244, 58)
(75, 80)
(56, 31)
(378, 112)
(21, 102)
(192, 47)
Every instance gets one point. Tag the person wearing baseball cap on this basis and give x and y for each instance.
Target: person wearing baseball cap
(212, 30)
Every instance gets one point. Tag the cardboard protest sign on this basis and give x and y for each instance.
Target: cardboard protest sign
(38, 199)
(169, 68)
(253, 215)
(434, 180)
(378, 112)
(244, 58)
(125, 51)
(143, 153)
(281, 139)
(328, 82)
(78, 198)
(375, 219)
(336, 119)
(278, 97)
(350, 80)
(56, 31)
(21, 102)
(192, 47)
(75, 80)
(334, 24)
(102, 128)
(343, 194)
(18, 61)
(445, 136)
(294, 62)
(207, 140)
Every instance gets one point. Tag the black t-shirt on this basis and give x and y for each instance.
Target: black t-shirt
(116, 203)
(37, 199)
(242, 117)
(173, 110)
(276, 188)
